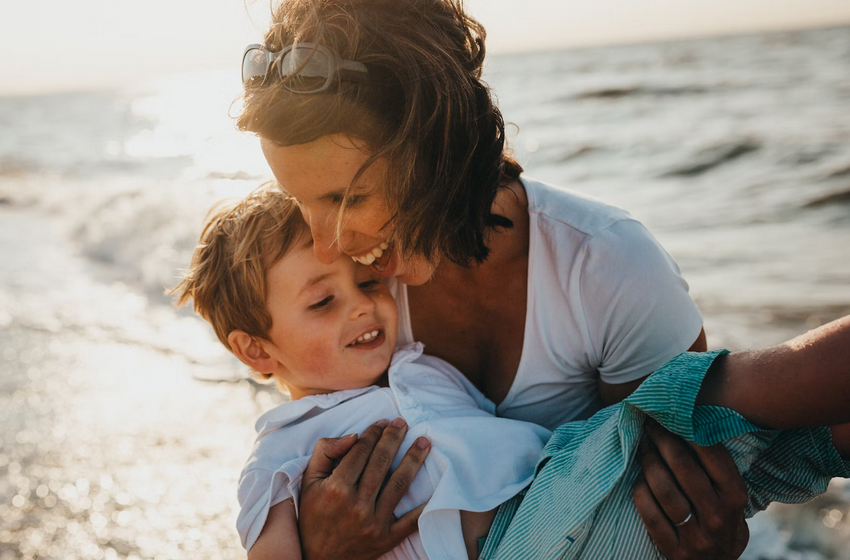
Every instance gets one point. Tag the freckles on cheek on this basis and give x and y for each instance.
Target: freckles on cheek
(317, 356)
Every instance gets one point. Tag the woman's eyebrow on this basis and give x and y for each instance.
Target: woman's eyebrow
(342, 192)
(332, 194)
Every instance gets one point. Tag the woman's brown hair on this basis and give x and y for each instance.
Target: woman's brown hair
(424, 109)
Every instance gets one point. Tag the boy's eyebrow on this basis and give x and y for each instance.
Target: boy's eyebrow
(313, 281)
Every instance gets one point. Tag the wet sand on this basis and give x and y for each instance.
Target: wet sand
(111, 449)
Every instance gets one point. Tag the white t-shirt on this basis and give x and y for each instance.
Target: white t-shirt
(604, 300)
(477, 461)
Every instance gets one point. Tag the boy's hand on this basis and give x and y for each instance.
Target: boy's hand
(690, 498)
(344, 512)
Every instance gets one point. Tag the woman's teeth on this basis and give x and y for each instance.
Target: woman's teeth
(366, 337)
(370, 257)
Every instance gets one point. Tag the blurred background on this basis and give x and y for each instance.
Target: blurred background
(724, 127)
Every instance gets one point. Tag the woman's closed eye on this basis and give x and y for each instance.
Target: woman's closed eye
(350, 201)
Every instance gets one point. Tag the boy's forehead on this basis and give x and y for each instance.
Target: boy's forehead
(300, 269)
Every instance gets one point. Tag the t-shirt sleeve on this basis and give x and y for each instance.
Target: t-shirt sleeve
(635, 302)
(260, 490)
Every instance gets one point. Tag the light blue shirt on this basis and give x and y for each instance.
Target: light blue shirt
(477, 461)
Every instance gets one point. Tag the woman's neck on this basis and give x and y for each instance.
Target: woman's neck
(474, 317)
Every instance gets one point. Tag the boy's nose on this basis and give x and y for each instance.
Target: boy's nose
(363, 305)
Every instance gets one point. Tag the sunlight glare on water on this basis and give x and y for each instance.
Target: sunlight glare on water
(192, 116)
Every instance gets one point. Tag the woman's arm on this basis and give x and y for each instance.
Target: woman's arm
(346, 509)
(800, 384)
(279, 538)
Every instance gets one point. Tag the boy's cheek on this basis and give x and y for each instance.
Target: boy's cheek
(319, 357)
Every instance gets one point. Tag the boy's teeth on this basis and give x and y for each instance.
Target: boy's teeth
(377, 252)
(368, 336)
(384, 246)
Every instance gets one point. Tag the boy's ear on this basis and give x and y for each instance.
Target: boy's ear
(251, 352)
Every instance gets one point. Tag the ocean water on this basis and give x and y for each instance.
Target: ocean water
(123, 422)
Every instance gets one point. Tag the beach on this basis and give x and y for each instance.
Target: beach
(125, 424)
(113, 447)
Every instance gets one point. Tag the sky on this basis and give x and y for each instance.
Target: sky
(59, 45)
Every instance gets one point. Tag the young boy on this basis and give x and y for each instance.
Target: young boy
(327, 333)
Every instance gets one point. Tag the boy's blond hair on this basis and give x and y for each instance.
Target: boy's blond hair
(240, 241)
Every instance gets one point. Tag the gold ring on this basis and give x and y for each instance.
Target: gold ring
(685, 520)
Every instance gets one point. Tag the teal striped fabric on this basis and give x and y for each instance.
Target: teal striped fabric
(580, 503)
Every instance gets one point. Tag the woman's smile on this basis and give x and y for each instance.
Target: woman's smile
(319, 175)
(373, 256)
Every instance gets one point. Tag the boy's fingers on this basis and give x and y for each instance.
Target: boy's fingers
(381, 459)
(327, 452)
(350, 467)
(401, 479)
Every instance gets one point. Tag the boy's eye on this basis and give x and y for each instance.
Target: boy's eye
(322, 303)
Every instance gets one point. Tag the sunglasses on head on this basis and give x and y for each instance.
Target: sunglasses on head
(302, 67)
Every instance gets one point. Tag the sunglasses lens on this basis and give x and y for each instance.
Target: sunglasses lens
(254, 66)
(306, 70)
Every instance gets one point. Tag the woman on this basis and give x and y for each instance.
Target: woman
(373, 115)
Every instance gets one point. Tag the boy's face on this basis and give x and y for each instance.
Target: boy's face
(333, 325)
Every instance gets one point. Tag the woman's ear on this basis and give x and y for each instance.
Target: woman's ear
(251, 352)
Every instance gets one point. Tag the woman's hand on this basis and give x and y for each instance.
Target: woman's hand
(690, 498)
(346, 511)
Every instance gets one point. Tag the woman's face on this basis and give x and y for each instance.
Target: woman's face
(317, 175)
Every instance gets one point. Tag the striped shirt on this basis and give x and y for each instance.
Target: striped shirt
(580, 503)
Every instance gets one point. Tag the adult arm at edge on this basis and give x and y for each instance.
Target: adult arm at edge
(802, 383)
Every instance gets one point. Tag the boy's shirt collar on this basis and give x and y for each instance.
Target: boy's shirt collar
(289, 412)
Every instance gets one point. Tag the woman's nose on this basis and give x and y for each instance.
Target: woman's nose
(323, 230)
(325, 248)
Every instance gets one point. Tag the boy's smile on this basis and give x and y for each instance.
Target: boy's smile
(333, 325)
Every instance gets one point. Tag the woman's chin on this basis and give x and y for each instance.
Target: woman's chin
(411, 272)
(416, 278)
